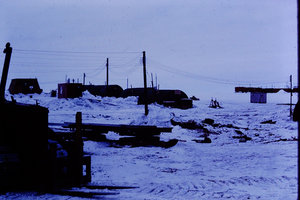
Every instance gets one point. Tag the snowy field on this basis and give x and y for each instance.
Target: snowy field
(262, 168)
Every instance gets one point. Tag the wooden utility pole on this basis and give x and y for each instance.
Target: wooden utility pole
(78, 150)
(7, 52)
(298, 49)
(84, 78)
(107, 61)
(145, 83)
(152, 83)
(291, 97)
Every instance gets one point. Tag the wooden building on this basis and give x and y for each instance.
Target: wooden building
(169, 98)
(69, 90)
(104, 91)
(174, 99)
(140, 93)
(25, 86)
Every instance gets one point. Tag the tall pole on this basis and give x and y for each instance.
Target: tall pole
(291, 96)
(152, 83)
(145, 83)
(298, 27)
(107, 61)
(84, 78)
(7, 51)
(79, 149)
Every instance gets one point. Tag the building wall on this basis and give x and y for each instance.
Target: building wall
(69, 90)
(258, 97)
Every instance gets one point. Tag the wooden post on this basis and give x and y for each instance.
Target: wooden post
(298, 30)
(7, 51)
(84, 78)
(79, 149)
(107, 71)
(145, 83)
(291, 96)
(152, 83)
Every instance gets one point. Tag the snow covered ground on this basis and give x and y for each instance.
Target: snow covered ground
(262, 168)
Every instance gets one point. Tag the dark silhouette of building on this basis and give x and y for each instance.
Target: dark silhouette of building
(24, 86)
(104, 91)
(69, 90)
(169, 98)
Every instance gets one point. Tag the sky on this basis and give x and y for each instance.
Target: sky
(203, 47)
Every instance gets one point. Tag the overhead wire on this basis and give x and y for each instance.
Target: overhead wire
(179, 72)
(76, 52)
(89, 59)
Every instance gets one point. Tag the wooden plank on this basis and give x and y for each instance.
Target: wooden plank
(142, 142)
(102, 187)
(83, 193)
(130, 130)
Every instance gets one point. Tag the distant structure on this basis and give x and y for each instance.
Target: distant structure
(174, 99)
(69, 90)
(104, 90)
(259, 95)
(140, 92)
(25, 86)
(168, 98)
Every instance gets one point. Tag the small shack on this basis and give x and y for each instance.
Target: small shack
(69, 90)
(258, 97)
(25, 86)
(104, 90)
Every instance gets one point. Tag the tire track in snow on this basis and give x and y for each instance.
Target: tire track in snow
(215, 189)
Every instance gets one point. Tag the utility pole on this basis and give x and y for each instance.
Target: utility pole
(152, 83)
(84, 78)
(156, 81)
(127, 82)
(107, 61)
(291, 97)
(145, 84)
(7, 52)
(298, 51)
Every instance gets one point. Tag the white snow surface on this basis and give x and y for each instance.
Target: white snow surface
(262, 168)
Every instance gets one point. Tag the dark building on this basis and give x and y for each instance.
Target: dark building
(169, 98)
(174, 99)
(24, 86)
(104, 91)
(258, 97)
(69, 90)
(170, 95)
(140, 92)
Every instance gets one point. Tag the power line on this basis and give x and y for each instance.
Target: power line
(76, 52)
(206, 78)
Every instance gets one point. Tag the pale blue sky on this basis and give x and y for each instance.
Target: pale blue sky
(205, 48)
